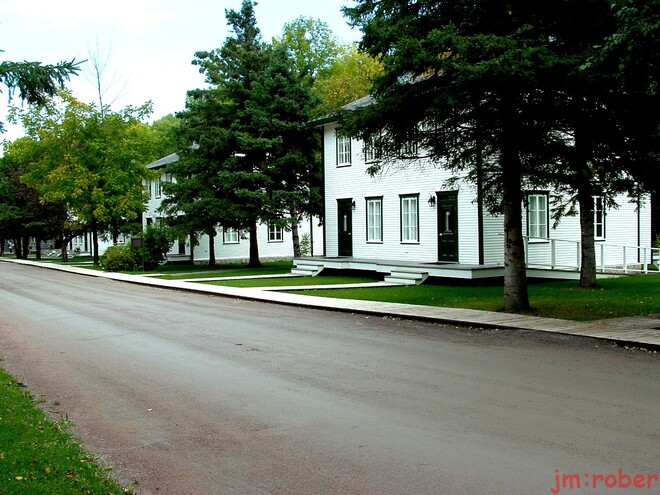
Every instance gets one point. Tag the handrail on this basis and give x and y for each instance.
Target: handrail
(648, 257)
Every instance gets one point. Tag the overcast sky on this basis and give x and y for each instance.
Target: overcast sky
(149, 44)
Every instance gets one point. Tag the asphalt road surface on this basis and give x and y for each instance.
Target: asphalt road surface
(192, 394)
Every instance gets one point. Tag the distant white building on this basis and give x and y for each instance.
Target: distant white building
(230, 244)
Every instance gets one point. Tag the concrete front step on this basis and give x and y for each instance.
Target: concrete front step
(307, 269)
(405, 277)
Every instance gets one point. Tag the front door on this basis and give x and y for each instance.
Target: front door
(345, 227)
(448, 226)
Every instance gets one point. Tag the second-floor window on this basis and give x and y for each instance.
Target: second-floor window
(157, 188)
(343, 150)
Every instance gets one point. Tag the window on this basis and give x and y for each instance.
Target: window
(157, 188)
(371, 154)
(410, 218)
(230, 236)
(275, 233)
(410, 148)
(537, 215)
(599, 218)
(343, 150)
(374, 219)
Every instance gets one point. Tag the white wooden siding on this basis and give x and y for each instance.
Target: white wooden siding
(418, 177)
(241, 250)
(423, 178)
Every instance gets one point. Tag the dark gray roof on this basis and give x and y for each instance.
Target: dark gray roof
(361, 102)
(365, 101)
(162, 162)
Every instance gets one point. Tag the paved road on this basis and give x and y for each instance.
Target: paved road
(192, 394)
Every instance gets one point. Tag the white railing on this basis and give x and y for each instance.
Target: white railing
(562, 254)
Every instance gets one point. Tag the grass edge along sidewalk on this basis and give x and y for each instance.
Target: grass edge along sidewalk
(38, 454)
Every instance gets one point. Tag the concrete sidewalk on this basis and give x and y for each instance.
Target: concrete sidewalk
(633, 331)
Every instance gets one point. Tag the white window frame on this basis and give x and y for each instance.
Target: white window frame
(409, 218)
(374, 209)
(158, 190)
(599, 218)
(343, 150)
(230, 236)
(371, 153)
(538, 215)
(275, 233)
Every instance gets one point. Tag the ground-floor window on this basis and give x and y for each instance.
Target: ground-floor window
(230, 236)
(537, 215)
(275, 233)
(374, 219)
(599, 218)
(410, 218)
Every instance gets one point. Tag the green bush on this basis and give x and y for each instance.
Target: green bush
(157, 242)
(118, 259)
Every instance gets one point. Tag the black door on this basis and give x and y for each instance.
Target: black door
(448, 226)
(345, 227)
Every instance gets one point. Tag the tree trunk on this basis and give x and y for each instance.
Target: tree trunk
(295, 235)
(193, 243)
(515, 270)
(586, 201)
(26, 247)
(212, 248)
(588, 246)
(38, 247)
(255, 262)
(95, 243)
(65, 253)
(18, 248)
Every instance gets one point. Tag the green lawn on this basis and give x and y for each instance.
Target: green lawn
(38, 456)
(292, 281)
(176, 272)
(637, 295)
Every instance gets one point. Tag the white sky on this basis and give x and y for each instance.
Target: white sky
(149, 44)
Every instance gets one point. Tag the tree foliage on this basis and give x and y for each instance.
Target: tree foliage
(92, 164)
(246, 151)
(512, 95)
(347, 78)
(311, 44)
(35, 82)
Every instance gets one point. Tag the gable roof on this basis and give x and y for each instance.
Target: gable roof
(360, 102)
(162, 162)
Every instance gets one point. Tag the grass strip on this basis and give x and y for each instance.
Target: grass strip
(292, 281)
(637, 295)
(39, 456)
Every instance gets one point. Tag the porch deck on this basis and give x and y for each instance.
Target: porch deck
(394, 268)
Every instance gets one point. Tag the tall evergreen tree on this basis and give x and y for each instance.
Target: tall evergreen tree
(462, 79)
(228, 145)
(280, 110)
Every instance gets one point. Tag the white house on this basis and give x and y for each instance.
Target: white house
(407, 215)
(230, 245)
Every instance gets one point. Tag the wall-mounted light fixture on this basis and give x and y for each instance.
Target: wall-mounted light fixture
(353, 205)
(432, 201)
